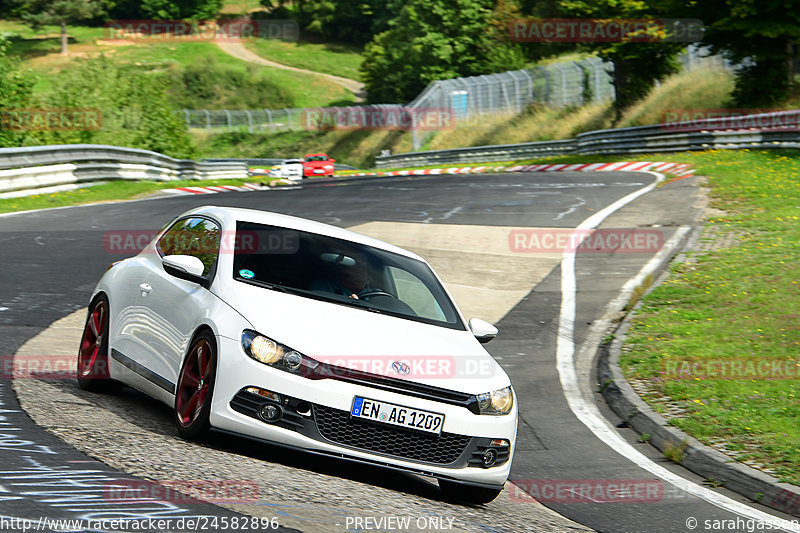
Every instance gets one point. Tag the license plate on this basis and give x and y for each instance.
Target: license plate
(397, 415)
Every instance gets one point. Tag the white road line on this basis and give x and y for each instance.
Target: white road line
(587, 412)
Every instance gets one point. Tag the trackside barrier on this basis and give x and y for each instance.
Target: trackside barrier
(776, 130)
(44, 169)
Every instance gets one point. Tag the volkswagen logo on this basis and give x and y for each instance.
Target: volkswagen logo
(401, 368)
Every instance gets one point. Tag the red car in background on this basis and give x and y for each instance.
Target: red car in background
(317, 165)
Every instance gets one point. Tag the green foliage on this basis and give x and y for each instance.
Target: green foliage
(40, 13)
(341, 20)
(434, 40)
(136, 111)
(181, 9)
(759, 33)
(207, 84)
(637, 65)
(15, 92)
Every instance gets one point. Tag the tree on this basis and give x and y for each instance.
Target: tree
(180, 9)
(342, 20)
(637, 64)
(38, 13)
(762, 36)
(431, 40)
(15, 93)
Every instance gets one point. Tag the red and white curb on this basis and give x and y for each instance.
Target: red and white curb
(213, 189)
(680, 170)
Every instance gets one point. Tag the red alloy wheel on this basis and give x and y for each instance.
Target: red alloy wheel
(195, 385)
(93, 372)
(92, 342)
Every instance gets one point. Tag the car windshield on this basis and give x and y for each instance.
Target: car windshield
(317, 158)
(340, 271)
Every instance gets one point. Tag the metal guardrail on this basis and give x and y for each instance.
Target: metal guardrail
(770, 130)
(44, 169)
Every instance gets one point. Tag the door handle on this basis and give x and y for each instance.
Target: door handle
(145, 288)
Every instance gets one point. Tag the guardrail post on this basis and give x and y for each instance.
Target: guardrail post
(288, 117)
(249, 121)
(208, 119)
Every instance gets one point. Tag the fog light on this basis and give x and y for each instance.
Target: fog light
(489, 458)
(271, 412)
(304, 408)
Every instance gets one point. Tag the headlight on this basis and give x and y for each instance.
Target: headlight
(277, 355)
(497, 402)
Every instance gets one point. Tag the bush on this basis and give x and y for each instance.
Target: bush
(209, 85)
(15, 92)
(136, 111)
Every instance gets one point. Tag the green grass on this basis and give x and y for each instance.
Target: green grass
(112, 191)
(336, 59)
(739, 302)
(39, 52)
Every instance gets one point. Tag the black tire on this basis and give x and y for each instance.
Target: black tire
(462, 493)
(195, 388)
(92, 370)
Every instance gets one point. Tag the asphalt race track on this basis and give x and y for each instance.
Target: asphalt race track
(52, 260)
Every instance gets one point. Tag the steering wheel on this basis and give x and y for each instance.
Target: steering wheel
(371, 293)
(387, 301)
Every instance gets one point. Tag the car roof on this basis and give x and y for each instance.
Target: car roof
(230, 215)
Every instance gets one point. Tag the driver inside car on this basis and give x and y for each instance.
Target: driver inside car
(348, 276)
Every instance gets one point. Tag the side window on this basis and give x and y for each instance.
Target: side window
(413, 292)
(198, 237)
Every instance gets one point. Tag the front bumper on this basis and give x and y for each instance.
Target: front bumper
(316, 417)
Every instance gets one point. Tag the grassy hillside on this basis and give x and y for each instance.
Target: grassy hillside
(698, 89)
(336, 59)
(40, 53)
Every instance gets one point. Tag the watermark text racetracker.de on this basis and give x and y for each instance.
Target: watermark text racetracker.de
(50, 119)
(729, 368)
(131, 242)
(607, 240)
(722, 119)
(189, 524)
(229, 30)
(370, 118)
(587, 490)
(181, 491)
(606, 30)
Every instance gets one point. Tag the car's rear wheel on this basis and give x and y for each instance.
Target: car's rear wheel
(93, 372)
(462, 493)
(196, 387)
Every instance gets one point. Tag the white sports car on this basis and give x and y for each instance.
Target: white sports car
(309, 336)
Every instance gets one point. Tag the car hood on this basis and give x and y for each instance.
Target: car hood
(350, 337)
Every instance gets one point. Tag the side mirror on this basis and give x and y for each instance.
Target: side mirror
(332, 160)
(482, 330)
(185, 267)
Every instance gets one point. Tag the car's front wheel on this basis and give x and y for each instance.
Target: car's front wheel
(93, 371)
(462, 493)
(196, 387)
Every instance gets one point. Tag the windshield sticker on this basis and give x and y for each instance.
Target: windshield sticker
(247, 274)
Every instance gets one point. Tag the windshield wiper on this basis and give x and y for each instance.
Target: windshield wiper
(264, 284)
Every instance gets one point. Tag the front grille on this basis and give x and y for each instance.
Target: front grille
(337, 426)
(400, 386)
